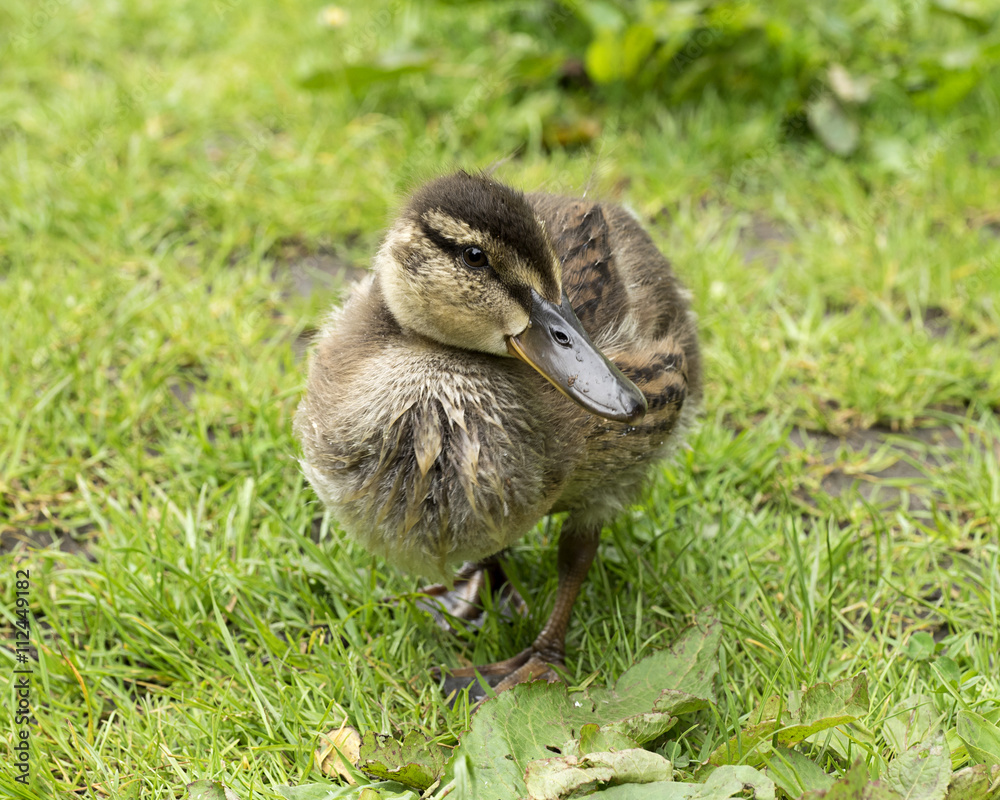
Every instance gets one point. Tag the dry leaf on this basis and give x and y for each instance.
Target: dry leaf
(331, 763)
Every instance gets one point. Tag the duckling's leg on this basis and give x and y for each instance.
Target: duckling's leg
(576, 554)
(464, 601)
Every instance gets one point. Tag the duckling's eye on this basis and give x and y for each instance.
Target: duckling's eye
(474, 257)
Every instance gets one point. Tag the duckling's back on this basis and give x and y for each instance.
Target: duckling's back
(638, 313)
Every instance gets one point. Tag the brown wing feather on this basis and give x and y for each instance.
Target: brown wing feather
(579, 233)
(610, 268)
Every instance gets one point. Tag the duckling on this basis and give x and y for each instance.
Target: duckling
(510, 356)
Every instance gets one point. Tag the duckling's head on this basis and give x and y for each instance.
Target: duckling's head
(468, 264)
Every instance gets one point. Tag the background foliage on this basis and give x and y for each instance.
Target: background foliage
(186, 187)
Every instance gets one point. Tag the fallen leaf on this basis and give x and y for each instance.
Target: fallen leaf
(552, 778)
(794, 773)
(981, 738)
(723, 783)
(339, 745)
(525, 723)
(820, 707)
(913, 721)
(414, 761)
(848, 88)
(855, 785)
(832, 125)
(975, 783)
(676, 680)
(920, 774)
(210, 790)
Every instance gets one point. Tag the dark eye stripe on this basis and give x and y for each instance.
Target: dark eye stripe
(521, 296)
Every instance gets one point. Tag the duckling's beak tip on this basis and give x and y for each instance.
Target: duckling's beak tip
(556, 345)
(638, 411)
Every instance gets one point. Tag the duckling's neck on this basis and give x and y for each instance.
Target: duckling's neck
(412, 326)
(379, 314)
(387, 316)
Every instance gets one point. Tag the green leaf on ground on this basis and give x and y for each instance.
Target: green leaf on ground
(594, 739)
(723, 783)
(833, 126)
(921, 773)
(981, 738)
(913, 721)
(975, 783)
(795, 774)
(947, 672)
(209, 790)
(855, 785)
(552, 778)
(386, 790)
(641, 728)
(415, 761)
(517, 727)
(676, 680)
(921, 646)
(532, 721)
(382, 790)
(820, 707)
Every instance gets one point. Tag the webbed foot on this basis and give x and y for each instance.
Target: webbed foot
(528, 665)
(576, 552)
(465, 600)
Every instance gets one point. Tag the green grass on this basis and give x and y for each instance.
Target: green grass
(162, 172)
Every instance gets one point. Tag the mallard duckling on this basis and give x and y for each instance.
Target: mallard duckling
(511, 356)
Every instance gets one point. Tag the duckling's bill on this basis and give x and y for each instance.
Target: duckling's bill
(556, 345)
